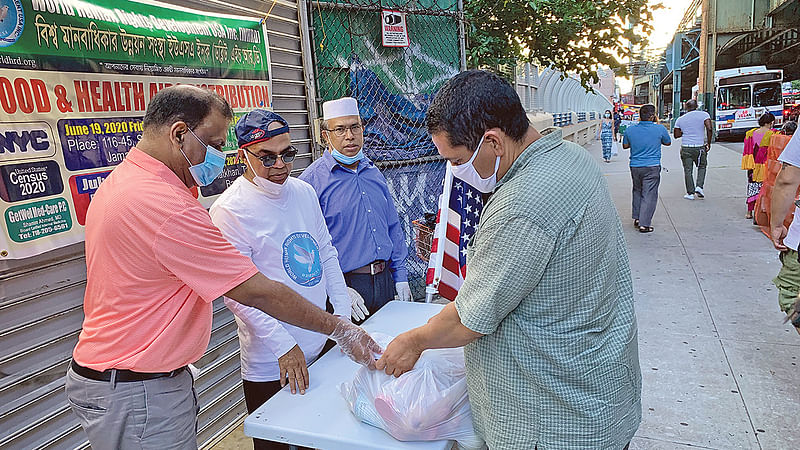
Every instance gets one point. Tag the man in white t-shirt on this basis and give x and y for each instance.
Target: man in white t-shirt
(787, 241)
(276, 221)
(697, 130)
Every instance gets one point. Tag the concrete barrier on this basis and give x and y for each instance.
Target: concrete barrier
(582, 133)
(541, 120)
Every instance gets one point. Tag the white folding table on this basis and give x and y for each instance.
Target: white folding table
(321, 418)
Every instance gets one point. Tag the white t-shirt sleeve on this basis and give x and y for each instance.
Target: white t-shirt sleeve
(263, 327)
(678, 122)
(232, 230)
(791, 154)
(334, 278)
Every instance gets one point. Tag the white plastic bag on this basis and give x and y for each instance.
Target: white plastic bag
(614, 148)
(428, 403)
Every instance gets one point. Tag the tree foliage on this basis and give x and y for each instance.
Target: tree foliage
(570, 35)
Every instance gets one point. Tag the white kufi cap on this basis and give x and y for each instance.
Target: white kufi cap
(345, 106)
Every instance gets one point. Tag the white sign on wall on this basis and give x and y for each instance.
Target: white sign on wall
(394, 29)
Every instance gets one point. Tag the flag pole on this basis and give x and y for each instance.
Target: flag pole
(440, 234)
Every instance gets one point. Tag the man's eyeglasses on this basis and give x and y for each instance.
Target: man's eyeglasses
(341, 131)
(270, 159)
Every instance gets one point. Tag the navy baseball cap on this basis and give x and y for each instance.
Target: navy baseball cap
(252, 127)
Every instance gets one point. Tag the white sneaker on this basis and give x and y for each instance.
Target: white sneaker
(699, 191)
(689, 196)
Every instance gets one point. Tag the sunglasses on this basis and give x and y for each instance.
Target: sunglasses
(270, 159)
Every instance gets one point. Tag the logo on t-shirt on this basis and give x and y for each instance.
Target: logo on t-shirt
(301, 259)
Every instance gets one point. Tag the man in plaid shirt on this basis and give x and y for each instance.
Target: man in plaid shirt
(545, 313)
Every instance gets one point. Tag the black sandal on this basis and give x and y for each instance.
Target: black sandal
(645, 229)
(636, 223)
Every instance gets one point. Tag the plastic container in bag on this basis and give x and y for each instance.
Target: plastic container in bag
(428, 403)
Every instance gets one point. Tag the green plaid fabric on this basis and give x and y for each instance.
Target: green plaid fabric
(548, 282)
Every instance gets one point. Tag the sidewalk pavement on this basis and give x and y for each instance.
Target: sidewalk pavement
(719, 368)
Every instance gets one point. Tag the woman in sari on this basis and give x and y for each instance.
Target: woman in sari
(754, 156)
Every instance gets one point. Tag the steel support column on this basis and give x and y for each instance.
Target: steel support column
(677, 70)
(658, 101)
(708, 57)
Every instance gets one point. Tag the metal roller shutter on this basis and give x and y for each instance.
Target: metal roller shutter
(41, 297)
(290, 60)
(40, 317)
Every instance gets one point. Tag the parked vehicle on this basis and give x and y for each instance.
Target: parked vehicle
(743, 95)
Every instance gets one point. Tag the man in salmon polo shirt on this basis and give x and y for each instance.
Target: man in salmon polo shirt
(155, 262)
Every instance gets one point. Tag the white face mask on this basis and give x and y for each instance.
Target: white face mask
(272, 190)
(467, 173)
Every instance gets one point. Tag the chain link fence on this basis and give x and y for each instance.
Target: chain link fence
(394, 87)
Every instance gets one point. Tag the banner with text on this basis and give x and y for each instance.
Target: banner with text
(75, 80)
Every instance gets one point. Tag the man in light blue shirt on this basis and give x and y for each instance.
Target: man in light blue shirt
(358, 209)
(645, 140)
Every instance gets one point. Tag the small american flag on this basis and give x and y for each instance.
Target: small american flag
(448, 263)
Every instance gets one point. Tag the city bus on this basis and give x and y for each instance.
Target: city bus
(743, 95)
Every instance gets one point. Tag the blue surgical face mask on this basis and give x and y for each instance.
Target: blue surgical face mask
(343, 159)
(208, 170)
(347, 160)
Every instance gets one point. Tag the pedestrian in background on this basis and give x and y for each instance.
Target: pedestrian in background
(607, 135)
(787, 240)
(789, 128)
(754, 157)
(645, 140)
(696, 130)
(617, 123)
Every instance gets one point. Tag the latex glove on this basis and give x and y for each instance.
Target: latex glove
(360, 311)
(356, 343)
(292, 365)
(403, 291)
